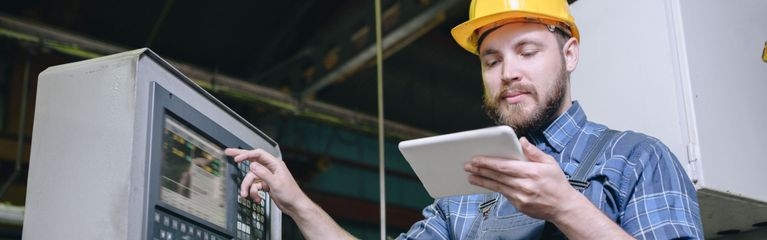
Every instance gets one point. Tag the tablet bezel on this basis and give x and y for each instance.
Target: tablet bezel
(438, 160)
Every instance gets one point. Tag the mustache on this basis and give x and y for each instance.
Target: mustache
(515, 87)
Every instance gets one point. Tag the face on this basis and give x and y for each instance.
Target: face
(526, 75)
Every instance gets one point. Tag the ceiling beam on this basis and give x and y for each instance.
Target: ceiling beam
(79, 46)
(55, 39)
(392, 42)
(278, 38)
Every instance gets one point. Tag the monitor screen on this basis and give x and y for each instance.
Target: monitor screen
(193, 173)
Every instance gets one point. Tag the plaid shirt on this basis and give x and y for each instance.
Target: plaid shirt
(637, 182)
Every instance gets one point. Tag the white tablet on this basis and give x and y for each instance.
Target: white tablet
(438, 161)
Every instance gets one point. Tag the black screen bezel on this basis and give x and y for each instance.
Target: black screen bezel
(163, 104)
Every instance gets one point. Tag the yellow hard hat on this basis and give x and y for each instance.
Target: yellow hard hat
(485, 12)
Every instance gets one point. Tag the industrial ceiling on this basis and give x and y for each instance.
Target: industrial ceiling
(319, 51)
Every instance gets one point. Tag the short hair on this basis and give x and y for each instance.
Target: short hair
(561, 36)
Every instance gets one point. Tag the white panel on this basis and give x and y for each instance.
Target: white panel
(81, 151)
(729, 79)
(626, 74)
(687, 72)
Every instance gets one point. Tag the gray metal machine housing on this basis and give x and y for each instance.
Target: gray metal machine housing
(91, 164)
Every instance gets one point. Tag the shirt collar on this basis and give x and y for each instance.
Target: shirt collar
(563, 129)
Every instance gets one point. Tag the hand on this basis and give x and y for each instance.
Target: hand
(269, 174)
(537, 187)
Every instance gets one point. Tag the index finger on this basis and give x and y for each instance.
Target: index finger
(234, 151)
(241, 154)
(257, 155)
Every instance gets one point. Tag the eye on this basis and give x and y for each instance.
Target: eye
(491, 62)
(528, 53)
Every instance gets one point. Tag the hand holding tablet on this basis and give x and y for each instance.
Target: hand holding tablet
(438, 161)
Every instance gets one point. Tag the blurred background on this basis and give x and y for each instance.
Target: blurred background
(309, 76)
(304, 73)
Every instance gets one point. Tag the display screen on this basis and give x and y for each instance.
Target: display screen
(193, 173)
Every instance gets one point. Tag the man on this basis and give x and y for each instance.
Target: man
(635, 187)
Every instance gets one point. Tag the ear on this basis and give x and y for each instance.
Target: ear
(570, 52)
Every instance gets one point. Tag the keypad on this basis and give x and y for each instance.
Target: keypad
(251, 216)
(169, 227)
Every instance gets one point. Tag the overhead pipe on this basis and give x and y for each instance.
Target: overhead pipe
(78, 46)
(392, 42)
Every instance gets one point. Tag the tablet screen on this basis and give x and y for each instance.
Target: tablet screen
(438, 161)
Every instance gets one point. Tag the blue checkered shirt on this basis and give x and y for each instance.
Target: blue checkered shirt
(637, 182)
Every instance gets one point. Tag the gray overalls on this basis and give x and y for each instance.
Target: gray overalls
(512, 224)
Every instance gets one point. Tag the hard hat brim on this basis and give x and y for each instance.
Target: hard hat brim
(465, 33)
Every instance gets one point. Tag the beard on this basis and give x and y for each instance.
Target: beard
(515, 116)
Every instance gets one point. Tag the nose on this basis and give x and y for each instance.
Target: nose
(510, 72)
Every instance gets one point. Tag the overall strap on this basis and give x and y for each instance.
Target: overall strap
(489, 201)
(578, 179)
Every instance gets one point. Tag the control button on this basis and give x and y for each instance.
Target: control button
(157, 217)
(165, 221)
(175, 224)
(183, 228)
